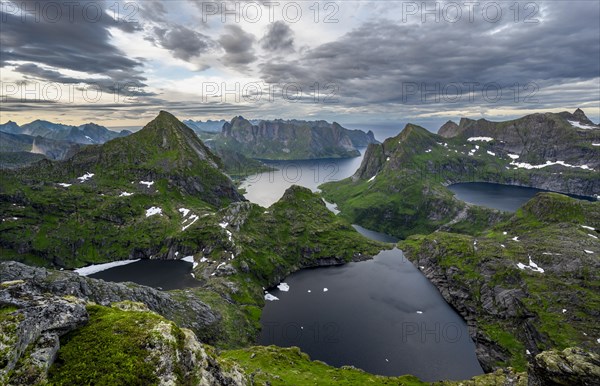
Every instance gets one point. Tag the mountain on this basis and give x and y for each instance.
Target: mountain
(526, 285)
(52, 149)
(404, 179)
(279, 139)
(94, 206)
(208, 126)
(10, 127)
(89, 133)
(537, 138)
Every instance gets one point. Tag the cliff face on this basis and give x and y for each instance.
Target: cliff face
(279, 139)
(526, 285)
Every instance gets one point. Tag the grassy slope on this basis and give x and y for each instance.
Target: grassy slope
(549, 230)
(90, 222)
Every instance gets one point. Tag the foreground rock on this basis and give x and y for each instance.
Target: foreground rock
(572, 366)
(182, 307)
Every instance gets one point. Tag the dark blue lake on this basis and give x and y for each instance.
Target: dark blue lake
(497, 196)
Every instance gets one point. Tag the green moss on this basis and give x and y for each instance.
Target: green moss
(109, 350)
(289, 366)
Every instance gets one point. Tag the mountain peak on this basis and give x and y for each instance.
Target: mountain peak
(581, 117)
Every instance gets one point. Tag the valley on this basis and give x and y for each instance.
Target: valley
(161, 195)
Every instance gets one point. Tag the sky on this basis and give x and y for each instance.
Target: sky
(355, 62)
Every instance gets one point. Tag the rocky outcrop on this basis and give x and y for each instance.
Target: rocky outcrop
(573, 366)
(449, 129)
(32, 321)
(182, 307)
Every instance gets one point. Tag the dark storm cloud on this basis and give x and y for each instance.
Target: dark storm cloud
(66, 38)
(78, 42)
(279, 37)
(183, 42)
(117, 81)
(238, 46)
(377, 61)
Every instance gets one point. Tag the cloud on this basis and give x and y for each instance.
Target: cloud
(67, 39)
(382, 60)
(183, 42)
(279, 38)
(238, 46)
(116, 82)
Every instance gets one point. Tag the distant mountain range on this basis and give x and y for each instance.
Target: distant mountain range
(86, 134)
(289, 139)
(42, 139)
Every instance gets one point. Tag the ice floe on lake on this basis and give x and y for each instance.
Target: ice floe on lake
(283, 287)
(270, 297)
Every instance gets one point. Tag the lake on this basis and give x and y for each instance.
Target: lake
(497, 196)
(160, 274)
(381, 315)
(268, 187)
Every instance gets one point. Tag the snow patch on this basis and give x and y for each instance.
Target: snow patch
(95, 268)
(64, 185)
(491, 153)
(595, 144)
(283, 287)
(514, 156)
(525, 165)
(125, 194)
(147, 183)
(85, 177)
(154, 210)
(532, 266)
(193, 218)
(325, 289)
(582, 125)
(591, 235)
(184, 212)
(483, 139)
(588, 227)
(372, 178)
(588, 252)
(516, 238)
(419, 312)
